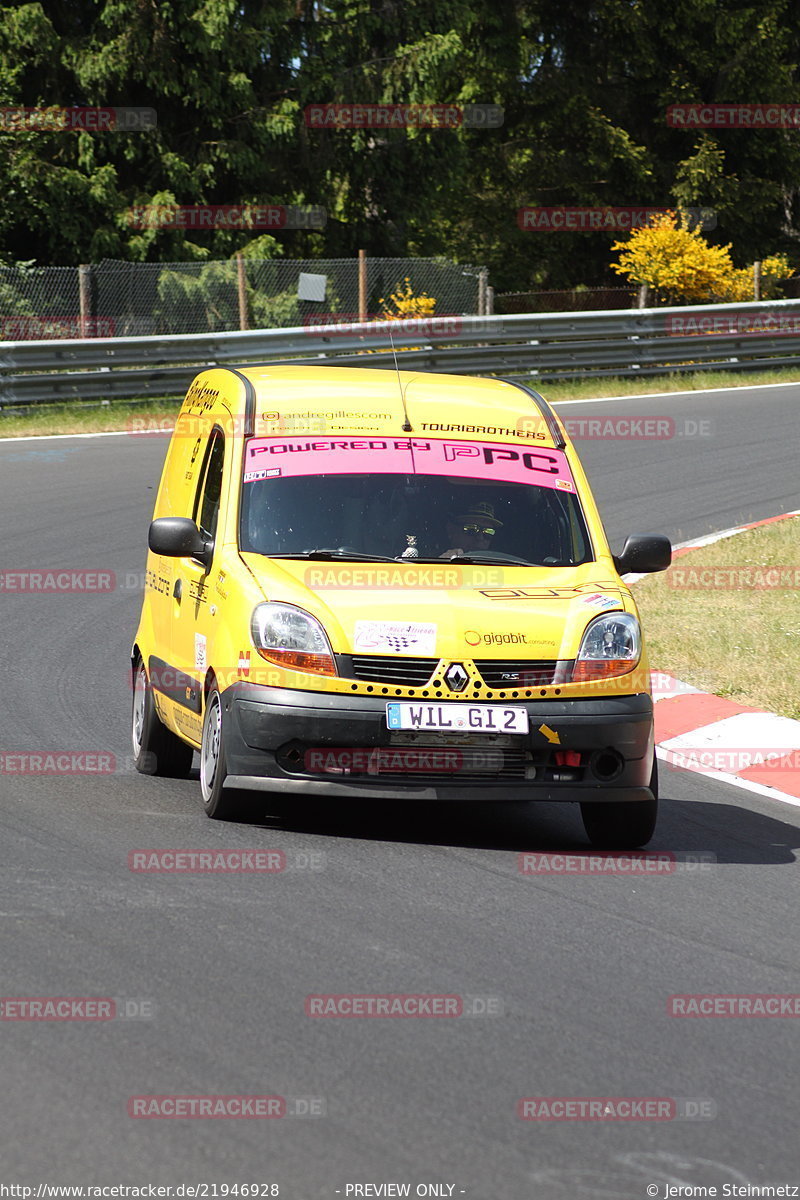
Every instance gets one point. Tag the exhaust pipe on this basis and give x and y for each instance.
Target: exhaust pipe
(606, 765)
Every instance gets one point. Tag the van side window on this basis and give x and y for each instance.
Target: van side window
(206, 505)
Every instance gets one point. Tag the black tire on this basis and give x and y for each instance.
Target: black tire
(622, 826)
(156, 749)
(220, 803)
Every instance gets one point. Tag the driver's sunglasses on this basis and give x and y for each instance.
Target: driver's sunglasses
(487, 530)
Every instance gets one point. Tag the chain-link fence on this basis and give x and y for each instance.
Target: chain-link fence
(126, 299)
(568, 300)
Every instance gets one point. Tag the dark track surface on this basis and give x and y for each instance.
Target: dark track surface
(407, 901)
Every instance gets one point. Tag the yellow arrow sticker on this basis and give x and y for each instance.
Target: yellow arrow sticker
(550, 734)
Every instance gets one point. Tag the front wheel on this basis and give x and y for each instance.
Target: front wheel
(156, 749)
(622, 826)
(220, 803)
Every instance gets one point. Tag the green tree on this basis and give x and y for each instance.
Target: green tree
(211, 71)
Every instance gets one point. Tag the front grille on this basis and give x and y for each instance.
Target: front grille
(405, 764)
(515, 673)
(419, 762)
(386, 668)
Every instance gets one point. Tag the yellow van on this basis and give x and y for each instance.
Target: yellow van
(390, 585)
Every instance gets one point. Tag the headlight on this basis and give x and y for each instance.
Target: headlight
(292, 638)
(612, 645)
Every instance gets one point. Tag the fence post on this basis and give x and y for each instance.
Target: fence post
(757, 280)
(243, 321)
(362, 285)
(490, 302)
(85, 298)
(483, 283)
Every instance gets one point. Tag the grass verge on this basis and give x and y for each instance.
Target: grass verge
(84, 418)
(108, 416)
(588, 389)
(726, 618)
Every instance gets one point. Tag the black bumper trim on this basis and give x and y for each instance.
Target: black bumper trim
(258, 721)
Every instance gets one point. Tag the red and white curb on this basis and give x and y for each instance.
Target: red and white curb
(712, 736)
(697, 731)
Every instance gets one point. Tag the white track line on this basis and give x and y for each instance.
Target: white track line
(35, 437)
(761, 789)
(692, 392)
(51, 437)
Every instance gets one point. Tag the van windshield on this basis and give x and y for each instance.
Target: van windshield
(417, 500)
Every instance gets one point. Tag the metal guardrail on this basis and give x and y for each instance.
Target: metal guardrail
(538, 347)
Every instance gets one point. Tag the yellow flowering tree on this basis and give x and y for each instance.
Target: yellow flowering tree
(407, 304)
(680, 265)
(673, 260)
(773, 270)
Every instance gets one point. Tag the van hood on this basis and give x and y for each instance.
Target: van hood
(439, 610)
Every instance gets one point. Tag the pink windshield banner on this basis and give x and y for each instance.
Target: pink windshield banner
(271, 458)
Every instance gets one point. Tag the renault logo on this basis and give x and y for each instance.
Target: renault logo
(456, 677)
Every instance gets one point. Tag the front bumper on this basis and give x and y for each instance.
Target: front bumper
(269, 733)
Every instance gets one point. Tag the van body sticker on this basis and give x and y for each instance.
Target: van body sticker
(200, 653)
(311, 455)
(596, 600)
(397, 637)
(546, 593)
(253, 476)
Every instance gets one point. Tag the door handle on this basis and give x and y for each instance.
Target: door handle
(177, 591)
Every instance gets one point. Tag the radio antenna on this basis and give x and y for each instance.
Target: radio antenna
(406, 423)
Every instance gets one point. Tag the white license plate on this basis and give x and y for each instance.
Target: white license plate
(473, 718)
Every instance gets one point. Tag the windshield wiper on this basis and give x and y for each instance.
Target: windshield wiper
(342, 552)
(473, 560)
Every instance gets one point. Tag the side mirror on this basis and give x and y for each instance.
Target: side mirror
(179, 537)
(644, 552)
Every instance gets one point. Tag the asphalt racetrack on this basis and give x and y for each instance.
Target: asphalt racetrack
(215, 968)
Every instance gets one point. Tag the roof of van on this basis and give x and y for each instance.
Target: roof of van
(361, 399)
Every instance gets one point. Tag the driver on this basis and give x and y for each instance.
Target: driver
(471, 530)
